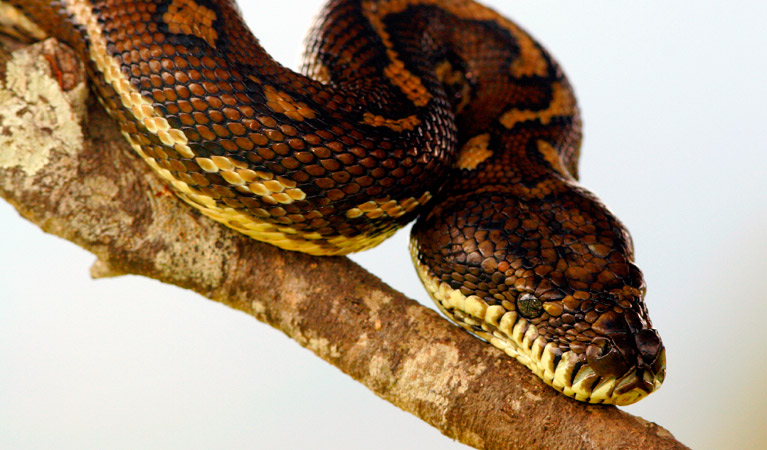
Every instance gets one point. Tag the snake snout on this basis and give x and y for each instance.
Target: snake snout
(650, 349)
(609, 358)
(636, 358)
(646, 340)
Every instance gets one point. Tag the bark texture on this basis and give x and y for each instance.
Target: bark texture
(66, 168)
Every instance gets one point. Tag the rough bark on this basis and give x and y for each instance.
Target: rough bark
(66, 168)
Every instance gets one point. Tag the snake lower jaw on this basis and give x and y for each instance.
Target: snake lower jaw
(638, 384)
(566, 372)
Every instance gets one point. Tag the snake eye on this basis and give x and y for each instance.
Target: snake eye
(529, 306)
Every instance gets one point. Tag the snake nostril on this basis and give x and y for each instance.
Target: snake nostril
(649, 345)
(606, 359)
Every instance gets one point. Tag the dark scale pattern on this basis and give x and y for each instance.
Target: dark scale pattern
(404, 103)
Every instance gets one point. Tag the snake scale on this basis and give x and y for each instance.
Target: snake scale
(440, 109)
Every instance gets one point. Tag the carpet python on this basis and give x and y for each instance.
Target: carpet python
(438, 109)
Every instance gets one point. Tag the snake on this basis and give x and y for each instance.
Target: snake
(442, 111)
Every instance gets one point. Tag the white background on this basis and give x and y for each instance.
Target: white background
(673, 97)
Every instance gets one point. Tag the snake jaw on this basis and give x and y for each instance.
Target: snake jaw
(635, 361)
(640, 382)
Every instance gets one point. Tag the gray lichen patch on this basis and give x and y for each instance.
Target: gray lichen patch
(445, 379)
(375, 300)
(380, 370)
(323, 347)
(36, 117)
(200, 256)
(103, 269)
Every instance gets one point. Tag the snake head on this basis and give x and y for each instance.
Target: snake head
(551, 281)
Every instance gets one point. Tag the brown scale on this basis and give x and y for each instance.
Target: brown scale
(399, 95)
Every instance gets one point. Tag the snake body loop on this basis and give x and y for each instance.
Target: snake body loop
(441, 109)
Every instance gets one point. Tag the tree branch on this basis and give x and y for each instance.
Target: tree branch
(66, 168)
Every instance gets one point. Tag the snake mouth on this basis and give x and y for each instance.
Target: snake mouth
(568, 372)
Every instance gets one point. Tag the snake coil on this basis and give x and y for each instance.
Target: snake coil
(441, 109)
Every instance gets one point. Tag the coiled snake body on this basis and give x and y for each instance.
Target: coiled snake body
(437, 108)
